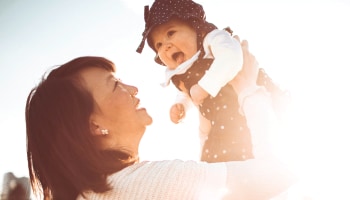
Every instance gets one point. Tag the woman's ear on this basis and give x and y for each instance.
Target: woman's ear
(94, 128)
(97, 130)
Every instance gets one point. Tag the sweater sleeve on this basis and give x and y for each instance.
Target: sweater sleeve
(258, 179)
(228, 61)
(261, 120)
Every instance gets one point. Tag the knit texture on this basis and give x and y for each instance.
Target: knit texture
(165, 180)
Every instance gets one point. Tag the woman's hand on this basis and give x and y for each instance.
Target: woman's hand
(247, 77)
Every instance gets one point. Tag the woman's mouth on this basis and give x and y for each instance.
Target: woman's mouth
(137, 104)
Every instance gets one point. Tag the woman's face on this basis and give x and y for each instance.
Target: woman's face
(175, 42)
(116, 106)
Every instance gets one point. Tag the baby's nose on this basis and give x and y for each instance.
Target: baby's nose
(168, 46)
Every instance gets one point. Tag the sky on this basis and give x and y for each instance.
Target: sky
(303, 45)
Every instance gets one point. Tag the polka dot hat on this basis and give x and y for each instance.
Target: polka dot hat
(163, 10)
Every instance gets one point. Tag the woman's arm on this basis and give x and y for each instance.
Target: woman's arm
(259, 179)
(245, 81)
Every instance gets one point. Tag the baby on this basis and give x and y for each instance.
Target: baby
(200, 61)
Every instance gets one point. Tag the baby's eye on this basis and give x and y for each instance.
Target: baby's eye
(170, 33)
(158, 45)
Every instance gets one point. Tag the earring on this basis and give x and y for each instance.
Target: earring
(104, 131)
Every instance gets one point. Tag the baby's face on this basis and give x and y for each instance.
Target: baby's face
(175, 42)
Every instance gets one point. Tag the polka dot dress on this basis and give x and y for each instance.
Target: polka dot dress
(229, 138)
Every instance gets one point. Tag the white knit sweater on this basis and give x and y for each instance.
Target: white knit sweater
(165, 180)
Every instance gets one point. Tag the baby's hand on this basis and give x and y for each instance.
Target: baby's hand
(198, 94)
(177, 113)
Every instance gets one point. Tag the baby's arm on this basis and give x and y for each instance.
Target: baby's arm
(179, 108)
(198, 94)
(228, 61)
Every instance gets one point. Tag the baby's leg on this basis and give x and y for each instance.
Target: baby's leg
(204, 129)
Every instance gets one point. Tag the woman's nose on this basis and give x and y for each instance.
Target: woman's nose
(132, 90)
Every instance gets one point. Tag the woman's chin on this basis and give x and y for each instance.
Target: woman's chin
(145, 117)
(149, 121)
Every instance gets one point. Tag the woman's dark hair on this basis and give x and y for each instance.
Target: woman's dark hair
(63, 158)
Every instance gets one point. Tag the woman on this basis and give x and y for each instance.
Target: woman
(84, 127)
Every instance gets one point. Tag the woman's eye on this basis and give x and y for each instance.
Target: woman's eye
(116, 83)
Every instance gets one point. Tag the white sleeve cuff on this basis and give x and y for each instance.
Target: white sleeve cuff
(184, 99)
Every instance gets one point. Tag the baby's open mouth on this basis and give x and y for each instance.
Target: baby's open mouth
(178, 57)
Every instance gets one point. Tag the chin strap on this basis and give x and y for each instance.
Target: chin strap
(142, 44)
(146, 13)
